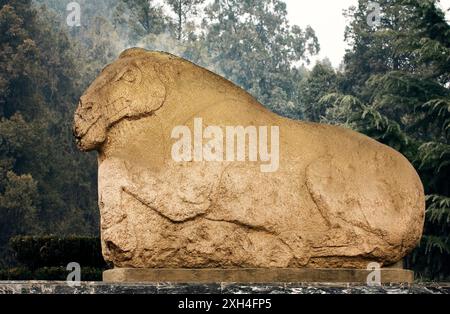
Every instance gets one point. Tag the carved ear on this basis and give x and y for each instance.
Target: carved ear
(131, 74)
(133, 52)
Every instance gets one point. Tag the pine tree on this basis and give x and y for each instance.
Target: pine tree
(320, 81)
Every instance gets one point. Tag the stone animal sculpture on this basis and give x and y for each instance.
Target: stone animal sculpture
(338, 198)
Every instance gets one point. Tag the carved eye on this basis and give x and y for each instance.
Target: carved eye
(130, 75)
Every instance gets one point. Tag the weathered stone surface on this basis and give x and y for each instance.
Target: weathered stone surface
(337, 200)
(160, 288)
(256, 275)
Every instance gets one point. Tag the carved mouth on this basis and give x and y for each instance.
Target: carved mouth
(78, 137)
(80, 134)
(80, 145)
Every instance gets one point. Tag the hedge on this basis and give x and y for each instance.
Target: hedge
(52, 251)
(49, 273)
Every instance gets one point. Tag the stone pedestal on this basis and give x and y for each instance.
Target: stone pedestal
(388, 275)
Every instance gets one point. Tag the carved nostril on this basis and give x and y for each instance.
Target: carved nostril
(84, 104)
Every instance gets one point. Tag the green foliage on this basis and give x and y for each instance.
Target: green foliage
(49, 273)
(185, 11)
(395, 88)
(42, 176)
(18, 203)
(136, 19)
(46, 258)
(439, 210)
(252, 44)
(321, 81)
(16, 273)
(52, 251)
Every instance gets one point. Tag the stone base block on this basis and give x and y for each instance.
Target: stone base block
(164, 288)
(140, 275)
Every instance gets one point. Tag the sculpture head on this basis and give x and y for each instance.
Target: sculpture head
(132, 86)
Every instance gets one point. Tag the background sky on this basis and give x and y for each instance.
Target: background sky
(325, 16)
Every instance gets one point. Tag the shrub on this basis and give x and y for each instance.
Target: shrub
(17, 273)
(49, 273)
(52, 251)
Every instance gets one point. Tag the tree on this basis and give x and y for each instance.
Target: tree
(135, 19)
(396, 90)
(184, 10)
(93, 44)
(321, 81)
(40, 177)
(252, 43)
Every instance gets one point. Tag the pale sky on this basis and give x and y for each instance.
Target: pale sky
(325, 17)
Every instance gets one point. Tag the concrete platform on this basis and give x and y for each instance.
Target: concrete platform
(133, 275)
